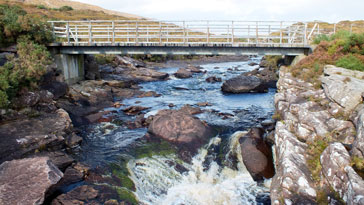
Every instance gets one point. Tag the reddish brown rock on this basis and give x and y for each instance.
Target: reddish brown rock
(179, 128)
(257, 154)
(26, 181)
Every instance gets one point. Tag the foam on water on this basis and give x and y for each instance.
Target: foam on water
(158, 183)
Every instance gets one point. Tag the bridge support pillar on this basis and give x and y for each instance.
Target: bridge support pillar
(72, 67)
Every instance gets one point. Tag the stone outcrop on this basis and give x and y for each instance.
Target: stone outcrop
(340, 175)
(358, 145)
(306, 114)
(343, 86)
(257, 154)
(244, 84)
(267, 74)
(92, 71)
(292, 182)
(26, 181)
(24, 137)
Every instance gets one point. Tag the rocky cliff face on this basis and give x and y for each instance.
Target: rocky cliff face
(318, 133)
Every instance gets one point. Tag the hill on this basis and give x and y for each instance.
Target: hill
(80, 10)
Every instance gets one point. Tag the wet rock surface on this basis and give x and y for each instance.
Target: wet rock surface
(183, 73)
(26, 181)
(179, 128)
(244, 84)
(24, 137)
(257, 154)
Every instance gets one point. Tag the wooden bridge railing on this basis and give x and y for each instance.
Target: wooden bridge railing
(185, 33)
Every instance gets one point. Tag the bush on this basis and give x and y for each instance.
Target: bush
(24, 71)
(14, 23)
(319, 38)
(65, 8)
(350, 62)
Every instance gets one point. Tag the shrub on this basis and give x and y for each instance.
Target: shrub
(319, 38)
(24, 71)
(65, 8)
(350, 62)
(103, 59)
(14, 23)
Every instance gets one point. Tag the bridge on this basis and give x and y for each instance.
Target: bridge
(75, 38)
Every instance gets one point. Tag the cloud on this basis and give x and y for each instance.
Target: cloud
(302, 10)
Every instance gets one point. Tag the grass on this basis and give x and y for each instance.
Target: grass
(314, 151)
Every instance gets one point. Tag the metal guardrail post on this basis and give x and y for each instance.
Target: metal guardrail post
(136, 33)
(184, 32)
(249, 34)
(305, 35)
(53, 34)
(208, 32)
(90, 33)
(76, 34)
(232, 32)
(160, 33)
(256, 32)
(280, 34)
(68, 32)
(113, 32)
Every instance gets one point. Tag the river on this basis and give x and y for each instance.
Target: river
(216, 174)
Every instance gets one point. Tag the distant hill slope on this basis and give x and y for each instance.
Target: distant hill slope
(77, 6)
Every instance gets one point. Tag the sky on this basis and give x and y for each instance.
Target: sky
(254, 10)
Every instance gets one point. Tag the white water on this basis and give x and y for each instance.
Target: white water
(158, 183)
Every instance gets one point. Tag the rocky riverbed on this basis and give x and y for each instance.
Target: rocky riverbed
(197, 132)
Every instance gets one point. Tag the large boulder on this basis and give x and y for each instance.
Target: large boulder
(336, 169)
(24, 137)
(183, 73)
(180, 128)
(244, 84)
(26, 181)
(257, 154)
(267, 74)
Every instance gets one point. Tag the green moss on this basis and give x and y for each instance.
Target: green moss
(358, 164)
(126, 195)
(121, 172)
(314, 152)
(155, 148)
(103, 59)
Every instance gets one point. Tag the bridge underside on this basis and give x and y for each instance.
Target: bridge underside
(180, 50)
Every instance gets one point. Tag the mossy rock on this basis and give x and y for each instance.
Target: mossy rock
(155, 148)
(127, 196)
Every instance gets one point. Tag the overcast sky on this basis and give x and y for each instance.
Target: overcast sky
(300, 10)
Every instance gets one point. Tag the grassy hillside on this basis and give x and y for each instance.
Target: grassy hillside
(55, 13)
(77, 6)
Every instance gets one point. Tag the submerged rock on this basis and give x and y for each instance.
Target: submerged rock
(134, 110)
(180, 128)
(26, 181)
(244, 84)
(213, 79)
(257, 154)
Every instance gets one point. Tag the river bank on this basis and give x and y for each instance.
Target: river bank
(112, 116)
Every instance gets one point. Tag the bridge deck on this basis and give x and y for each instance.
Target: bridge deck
(182, 37)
